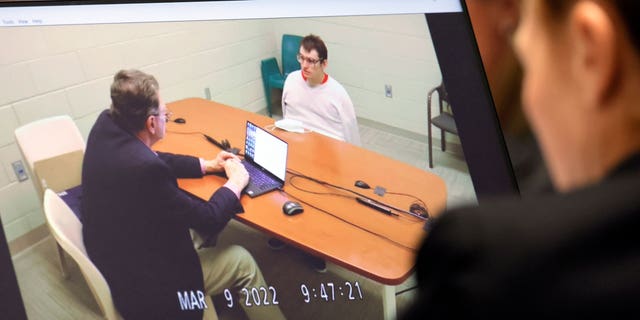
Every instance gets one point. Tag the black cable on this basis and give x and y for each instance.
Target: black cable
(418, 200)
(316, 192)
(417, 207)
(302, 175)
(325, 193)
(185, 132)
(288, 195)
(415, 215)
(226, 147)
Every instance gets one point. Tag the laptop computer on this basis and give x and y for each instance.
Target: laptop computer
(265, 158)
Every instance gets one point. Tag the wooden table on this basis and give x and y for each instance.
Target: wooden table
(354, 236)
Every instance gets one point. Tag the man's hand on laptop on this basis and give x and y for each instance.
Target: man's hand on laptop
(218, 164)
(237, 174)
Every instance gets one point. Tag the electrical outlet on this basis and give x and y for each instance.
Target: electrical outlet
(207, 93)
(388, 91)
(18, 168)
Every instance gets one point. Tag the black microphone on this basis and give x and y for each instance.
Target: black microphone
(377, 206)
(224, 145)
(214, 141)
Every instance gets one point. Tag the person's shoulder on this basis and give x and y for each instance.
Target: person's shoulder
(102, 125)
(506, 229)
(145, 167)
(541, 218)
(336, 86)
(115, 148)
(334, 82)
(292, 81)
(294, 76)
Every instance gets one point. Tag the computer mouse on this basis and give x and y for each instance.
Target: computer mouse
(291, 208)
(180, 120)
(362, 184)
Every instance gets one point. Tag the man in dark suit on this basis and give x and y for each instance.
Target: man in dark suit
(575, 254)
(136, 220)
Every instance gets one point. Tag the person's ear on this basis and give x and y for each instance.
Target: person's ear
(150, 124)
(509, 17)
(324, 63)
(595, 51)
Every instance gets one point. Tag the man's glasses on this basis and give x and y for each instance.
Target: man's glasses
(308, 60)
(167, 115)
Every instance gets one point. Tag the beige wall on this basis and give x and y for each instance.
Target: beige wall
(47, 71)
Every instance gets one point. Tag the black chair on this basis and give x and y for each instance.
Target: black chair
(443, 121)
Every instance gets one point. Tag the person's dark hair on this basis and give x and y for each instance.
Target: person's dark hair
(629, 11)
(134, 97)
(312, 42)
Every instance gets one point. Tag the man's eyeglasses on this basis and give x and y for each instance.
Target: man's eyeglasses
(310, 61)
(167, 115)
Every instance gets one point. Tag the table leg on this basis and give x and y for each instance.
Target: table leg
(388, 301)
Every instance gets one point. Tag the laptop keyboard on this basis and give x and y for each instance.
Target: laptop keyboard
(258, 180)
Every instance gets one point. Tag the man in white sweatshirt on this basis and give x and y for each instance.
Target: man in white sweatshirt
(318, 100)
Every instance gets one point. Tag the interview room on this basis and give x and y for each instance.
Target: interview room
(386, 64)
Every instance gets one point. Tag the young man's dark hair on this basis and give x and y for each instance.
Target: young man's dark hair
(313, 42)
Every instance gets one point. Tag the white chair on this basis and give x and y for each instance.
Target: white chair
(48, 138)
(67, 230)
(53, 149)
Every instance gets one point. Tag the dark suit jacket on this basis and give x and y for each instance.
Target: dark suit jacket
(570, 256)
(136, 222)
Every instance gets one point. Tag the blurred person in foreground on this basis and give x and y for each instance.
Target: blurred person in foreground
(494, 22)
(575, 254)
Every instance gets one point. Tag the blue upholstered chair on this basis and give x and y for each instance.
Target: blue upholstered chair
(272, 77)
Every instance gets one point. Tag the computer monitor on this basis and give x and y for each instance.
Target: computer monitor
(59, 57)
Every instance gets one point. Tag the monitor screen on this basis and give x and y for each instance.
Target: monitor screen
(411, 70)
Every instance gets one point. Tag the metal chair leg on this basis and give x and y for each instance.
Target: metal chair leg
(429, 146)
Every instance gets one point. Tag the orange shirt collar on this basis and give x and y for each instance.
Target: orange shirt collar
(324, 80)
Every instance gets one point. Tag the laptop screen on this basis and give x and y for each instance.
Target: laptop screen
(266, 150)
